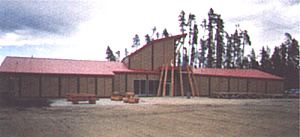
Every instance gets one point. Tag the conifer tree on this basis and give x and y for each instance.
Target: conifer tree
(110, 55)
(182, 21)
(147, 38)
(136, 41)
(229, 52)
(253, 62)
(165, 33)
(219, 41)
(210, 43)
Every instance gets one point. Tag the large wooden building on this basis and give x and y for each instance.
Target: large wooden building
(148, 72)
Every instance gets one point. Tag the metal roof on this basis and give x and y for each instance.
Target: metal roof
(63, 66)
(241, 73)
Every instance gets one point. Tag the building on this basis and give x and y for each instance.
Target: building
(149, 71)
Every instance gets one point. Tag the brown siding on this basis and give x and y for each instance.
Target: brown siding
(30, 86)
(119, 83)
(234, 85)
(15, 85)
(108, 87)
(275, 87)
(223, 84)
(91, 85)
(49, 86)
(83, 84)
(146, 58)
(135, 61)
(153, 77)
(243, 85)
(104, 86)
(163, 53)
(100, 87)
(68, 85)
(256, 86)
(4, 83)
(204, 83)
(214, 85)
(131, 78)
(219, 84)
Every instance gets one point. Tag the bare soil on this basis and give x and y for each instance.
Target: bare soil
(155, 117)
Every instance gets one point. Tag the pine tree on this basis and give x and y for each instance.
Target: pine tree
(292, 75)
(246, 41)
(136, 41)
(191, 21)
(245, 63)
(229, 52)
(126, 52)
(194, 44)
(182, 20)
(153, 32)
(202, 58)
(210, 43)
(219, 41)
(165, 33)
(253, 62)
(110, 55)
(147, 38)
(276, 62)
(237, 49)
(283, 55)
(293, 53)
(265, 62)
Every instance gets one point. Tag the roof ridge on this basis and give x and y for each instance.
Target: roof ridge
(44, 58)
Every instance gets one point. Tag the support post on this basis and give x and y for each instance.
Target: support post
(193, 81)
(172, 82)
(190, 81)
(181, 81)
(160, 82)
(165, 81)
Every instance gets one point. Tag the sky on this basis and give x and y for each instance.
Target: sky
(82, 29)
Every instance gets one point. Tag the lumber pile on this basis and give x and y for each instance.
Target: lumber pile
(130, 97)
(116, 96)
(76, 97)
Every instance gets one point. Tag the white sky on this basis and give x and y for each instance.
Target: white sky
(115, 22)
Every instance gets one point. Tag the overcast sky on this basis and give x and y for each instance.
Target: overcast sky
(82, 29)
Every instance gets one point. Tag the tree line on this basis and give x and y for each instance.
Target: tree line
(217, 48)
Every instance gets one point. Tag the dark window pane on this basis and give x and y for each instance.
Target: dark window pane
(156, 84)
(143, 86)
(151, 87)
(136, 85)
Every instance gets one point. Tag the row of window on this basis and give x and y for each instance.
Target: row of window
(146, 87)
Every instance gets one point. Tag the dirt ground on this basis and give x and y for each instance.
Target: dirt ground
(155, 117)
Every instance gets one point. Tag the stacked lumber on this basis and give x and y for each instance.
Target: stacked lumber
(130, 97)
(116, 96)
(76, 97)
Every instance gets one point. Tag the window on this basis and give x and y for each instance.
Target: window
(136, 85)
(144, 87)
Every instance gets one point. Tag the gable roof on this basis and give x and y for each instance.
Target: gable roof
(157, 40)
(240, 73)
(63, 66)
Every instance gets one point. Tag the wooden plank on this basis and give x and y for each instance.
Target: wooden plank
(181, 82)
(165, 81)
(160, 82)
(190, 81)
(172, 82)
(193, 81)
